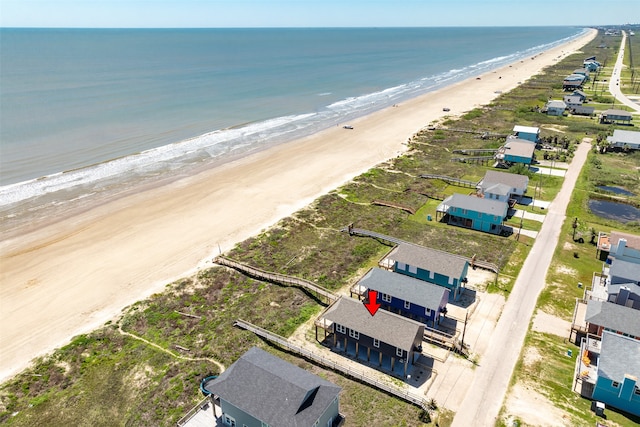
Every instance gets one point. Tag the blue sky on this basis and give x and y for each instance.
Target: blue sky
(313, 13)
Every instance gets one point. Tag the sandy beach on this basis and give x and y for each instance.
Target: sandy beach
(73, 274)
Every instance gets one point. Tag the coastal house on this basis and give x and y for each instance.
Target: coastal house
(473, 212)
(608, 316)
(608, 370)
(582, 72)
(516, 183)
(260, 389)
(573, 82)
(527, 133)
(572, 101)
(625, 139)
(621, 272)
(583, 110)
(393, 341)
(616, 116)
(555, 108)
(416, 299)
(516, 150)
(430, 265)
(627, 294)
(580, 94)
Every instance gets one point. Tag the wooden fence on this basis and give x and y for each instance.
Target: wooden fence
(276, 278)
(360, 376)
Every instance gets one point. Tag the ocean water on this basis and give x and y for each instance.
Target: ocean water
(87, 112)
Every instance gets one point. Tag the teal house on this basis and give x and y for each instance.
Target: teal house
(474, 212)
(516, 150)
(430, 265)
(610, 371)
(528, 133)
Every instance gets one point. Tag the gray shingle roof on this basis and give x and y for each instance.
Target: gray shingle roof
(512, 179)
(476, 204)
(556, 104)
(613, 316)
(628, 136)
(274, 391)
(406, 288)
(499, 189)
(389, 328)
(619, 113)
(520, 148)
(625, 270)
(440, 262)
(619, 356)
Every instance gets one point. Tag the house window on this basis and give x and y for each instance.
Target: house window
(636, 391)
(385, 297)
(399, 352)
(464, 211)
(376, 343)
(265, 424)
(427, 311)
(229, 421)
(413, 269)
(341, 329)
(615, 384)
(354, 334)
(400, 265)
(407, 305)
(495, 217)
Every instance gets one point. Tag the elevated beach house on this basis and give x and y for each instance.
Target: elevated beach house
(430, 265)
(260, 389)
(473, 212)
(616, 116)
(555, 108)
(608, 316)
(572, 101)
(625, 139)
(529, 133)
(388, 339)
(409, 297)
(616, 245)
(573, 82)
(608, 371)
(495, 183)
(580, 94)
(516, 150)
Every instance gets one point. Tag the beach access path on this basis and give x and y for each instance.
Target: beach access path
(483, 401)
(74, 273)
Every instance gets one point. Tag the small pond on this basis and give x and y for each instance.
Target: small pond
(616, 190)
(614, 210)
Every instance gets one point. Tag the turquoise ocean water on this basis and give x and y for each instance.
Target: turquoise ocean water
(89, 112)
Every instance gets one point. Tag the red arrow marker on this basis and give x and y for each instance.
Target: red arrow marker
(373, 304)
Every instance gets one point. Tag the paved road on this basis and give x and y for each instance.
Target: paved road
(614, 82)
(482, 403)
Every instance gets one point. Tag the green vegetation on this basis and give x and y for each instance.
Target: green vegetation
(105, 376)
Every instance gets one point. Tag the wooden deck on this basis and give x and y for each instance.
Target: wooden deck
(281, 279)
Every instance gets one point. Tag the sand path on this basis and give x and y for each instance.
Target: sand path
(75, 273)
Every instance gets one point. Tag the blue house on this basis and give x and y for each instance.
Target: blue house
(527, 133)
(260, 390)
(430, 265)
(395, 342)
(409, 297)
(474, 212)
(621, 272)
(516, 150)
(618, 370)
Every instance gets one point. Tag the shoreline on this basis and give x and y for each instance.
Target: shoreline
(75, 273)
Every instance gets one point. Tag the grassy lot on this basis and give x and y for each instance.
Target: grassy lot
(105, 376)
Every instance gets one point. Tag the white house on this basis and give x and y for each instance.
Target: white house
(625, 138)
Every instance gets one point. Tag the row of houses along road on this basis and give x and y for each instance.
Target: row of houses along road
(482, 403)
